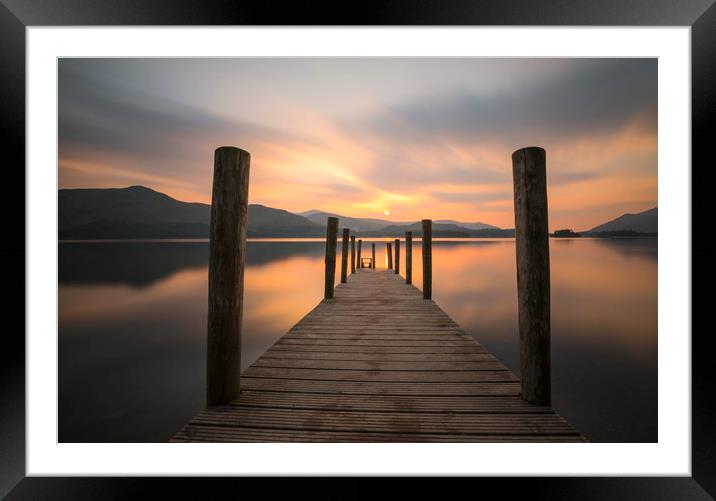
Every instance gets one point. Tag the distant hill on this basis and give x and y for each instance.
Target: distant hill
(643, 222)
(354, 223)
(372, 224)
(140, 212)
(471, 226)
(439, 231)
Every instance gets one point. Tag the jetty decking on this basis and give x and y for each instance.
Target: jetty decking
(378, 363)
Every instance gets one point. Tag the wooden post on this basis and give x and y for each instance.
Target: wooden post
(397, 256)
(372, 262)
(360, 244)
(427, 259)
(331, 237)
(227, 251)
(532, 251)
(353, 253)
(344, 256)
(408, 257)
(389, 250)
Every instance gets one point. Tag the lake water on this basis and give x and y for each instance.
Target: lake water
(132, 326)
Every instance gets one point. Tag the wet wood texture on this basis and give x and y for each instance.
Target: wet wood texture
(227, 252)
(344, 256)
(330, 259)
(533, 289)
(408, 257)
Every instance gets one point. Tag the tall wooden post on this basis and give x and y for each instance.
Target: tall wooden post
(360, 244)
(408, 257)
(372, 262)
(331, 237)
(397, 256)
(532, 251)
(389, 250)
(353, 253)
(227, 251)
(344, 256)
(427, 259)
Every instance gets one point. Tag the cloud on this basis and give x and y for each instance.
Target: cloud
(597, 95)
(116, 124)
(418, 136)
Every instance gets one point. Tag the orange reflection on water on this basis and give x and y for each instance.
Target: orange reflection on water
(278, 294)
(108, 302)
(595, 286)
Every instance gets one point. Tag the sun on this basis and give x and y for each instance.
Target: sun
(386, 212)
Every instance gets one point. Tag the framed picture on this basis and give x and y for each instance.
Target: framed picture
(441, 115)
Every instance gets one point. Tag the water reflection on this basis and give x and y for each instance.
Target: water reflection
(142, 263)
(132, 322)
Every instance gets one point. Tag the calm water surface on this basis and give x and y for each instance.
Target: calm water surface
(132, 326)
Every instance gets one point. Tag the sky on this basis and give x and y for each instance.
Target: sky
(396, 138)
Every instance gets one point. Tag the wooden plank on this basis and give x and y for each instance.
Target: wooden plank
(380, 336)
(466, 349)
(386, 422)
(382, 388)
(273, 354)
(395, 403)
(422, 365)
(414, 376)
(200, 433)
(373, 343)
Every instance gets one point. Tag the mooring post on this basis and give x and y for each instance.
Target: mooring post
(360, 244)
(344, 256)
(353, 253)
(331, 237)
(408, 257)
(427, 258)
(532, 251)
(389, 250)
(227, 251)
(397, 256)
(372, 261)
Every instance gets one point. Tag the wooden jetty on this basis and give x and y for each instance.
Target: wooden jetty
(377, 360)
(378, 363)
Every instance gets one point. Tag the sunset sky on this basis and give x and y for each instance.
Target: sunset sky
(416, 138)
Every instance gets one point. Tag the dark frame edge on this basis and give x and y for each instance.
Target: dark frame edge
(12, 361)
(12, 251)
(703, 119)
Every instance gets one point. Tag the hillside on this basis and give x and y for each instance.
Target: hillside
(376, 225)
(354, 223)
(439, 231)
(140, 212)
(642, 222)
(470, 226)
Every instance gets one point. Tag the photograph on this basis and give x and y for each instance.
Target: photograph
(357, 249)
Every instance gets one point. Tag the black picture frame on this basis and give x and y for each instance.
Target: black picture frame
(16, 15)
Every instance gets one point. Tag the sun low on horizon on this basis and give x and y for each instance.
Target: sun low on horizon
(411, 138)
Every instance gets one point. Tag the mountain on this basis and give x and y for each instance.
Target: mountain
(140, 212)
(267, 221)
(439, 231)
(371, 224)
(643, 222)
(471, 226)
(354, 223)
